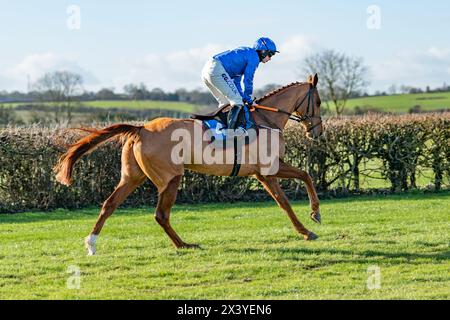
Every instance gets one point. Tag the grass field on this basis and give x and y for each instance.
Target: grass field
(129, 104)
(145, 104)
(403, 102)
(249, 251)
(400, 103)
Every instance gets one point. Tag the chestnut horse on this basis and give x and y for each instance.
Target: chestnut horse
(147, 153)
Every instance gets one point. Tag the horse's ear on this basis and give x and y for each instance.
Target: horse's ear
(315, 80)
(310, 79)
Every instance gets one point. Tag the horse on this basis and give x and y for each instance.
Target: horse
(146, 154)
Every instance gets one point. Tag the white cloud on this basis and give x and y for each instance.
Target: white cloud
(296, 48)
(170, 71)
(418, 68)
(439, 53)
(34, 66)
(177, 69)
(183, 68)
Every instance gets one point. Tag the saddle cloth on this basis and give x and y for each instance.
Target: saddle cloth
(218, 128)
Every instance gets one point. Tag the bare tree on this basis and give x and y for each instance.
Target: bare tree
(135, 92)
(60, 87)
(106, 94)
(392, 89)
(341, 76)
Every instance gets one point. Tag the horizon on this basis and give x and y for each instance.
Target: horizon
(114, 44)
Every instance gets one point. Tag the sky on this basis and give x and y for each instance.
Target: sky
(164, 44)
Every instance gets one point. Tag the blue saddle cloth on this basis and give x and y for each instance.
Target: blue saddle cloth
(218, 128)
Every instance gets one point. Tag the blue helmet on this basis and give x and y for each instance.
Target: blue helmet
(265, 44)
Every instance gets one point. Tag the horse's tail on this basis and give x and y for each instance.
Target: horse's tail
(64, 167)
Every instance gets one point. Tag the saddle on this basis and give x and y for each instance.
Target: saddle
(220, 114)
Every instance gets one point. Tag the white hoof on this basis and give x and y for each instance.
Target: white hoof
(91, 250)
(90, 244)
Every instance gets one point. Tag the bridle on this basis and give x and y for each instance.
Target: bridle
(305, 117)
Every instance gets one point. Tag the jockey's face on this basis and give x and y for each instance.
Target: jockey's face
(266, 59)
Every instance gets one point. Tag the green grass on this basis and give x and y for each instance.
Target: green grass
(127, 104)
(145, 104)
(403, 102)
(400, 103)
(249, 251)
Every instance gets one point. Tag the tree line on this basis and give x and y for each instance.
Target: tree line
(60, 85)
(65, 86)
(342, 77)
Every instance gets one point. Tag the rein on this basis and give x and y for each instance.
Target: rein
(296, 118)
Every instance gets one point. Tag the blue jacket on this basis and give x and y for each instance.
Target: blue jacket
(239, 62)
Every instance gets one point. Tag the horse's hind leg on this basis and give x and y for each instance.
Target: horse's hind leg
(131, 177)
(166, 199)
(274, 189)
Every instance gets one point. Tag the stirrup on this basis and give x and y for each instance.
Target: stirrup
(240, 131)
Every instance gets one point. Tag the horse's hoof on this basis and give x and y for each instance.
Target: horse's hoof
(315, 216)
(90, 245)
(311, 236)
(91, 250)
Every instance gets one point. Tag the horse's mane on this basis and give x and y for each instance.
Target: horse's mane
(278, 90)
(274, 92)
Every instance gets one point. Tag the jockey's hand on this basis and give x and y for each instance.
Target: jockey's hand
(253, 106)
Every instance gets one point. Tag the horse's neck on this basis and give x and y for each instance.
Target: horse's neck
(284, 101)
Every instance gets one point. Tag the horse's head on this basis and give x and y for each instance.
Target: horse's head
(308, 109)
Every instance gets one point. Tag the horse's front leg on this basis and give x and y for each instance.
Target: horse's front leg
(273, 188)
(288, 171)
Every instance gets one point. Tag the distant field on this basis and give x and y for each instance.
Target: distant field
(145, 104)
(403, 102)
(132, 104)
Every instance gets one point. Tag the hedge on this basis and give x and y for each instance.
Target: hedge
(395, 148)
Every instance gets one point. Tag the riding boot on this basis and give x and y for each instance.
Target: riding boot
(234, 117)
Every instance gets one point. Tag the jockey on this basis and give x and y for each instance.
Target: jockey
(223, 74)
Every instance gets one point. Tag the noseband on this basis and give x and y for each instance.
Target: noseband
(307, 116)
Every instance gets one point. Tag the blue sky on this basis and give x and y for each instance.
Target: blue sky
(165, 43)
